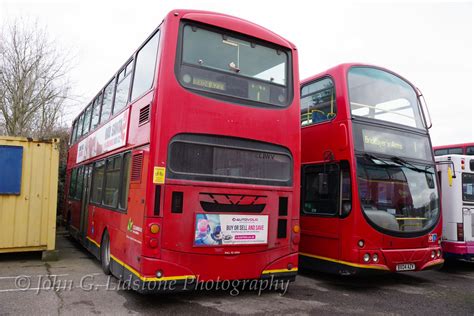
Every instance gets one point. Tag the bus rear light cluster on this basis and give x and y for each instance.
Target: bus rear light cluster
(295, 236)
(460, 231)
(153, 243)
(462, 164)
(154, 228)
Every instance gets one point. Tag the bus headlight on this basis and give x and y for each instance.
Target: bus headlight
(439, 253)
(159, 274)
(375, 257)
(366, 257)
(433, 254)
(361, 243)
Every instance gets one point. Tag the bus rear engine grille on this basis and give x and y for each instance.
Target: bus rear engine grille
(218, 202)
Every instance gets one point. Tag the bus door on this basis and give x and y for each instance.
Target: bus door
(468, 204)
(468, 222)
(320, 212)
(135, 181)
(85, 202)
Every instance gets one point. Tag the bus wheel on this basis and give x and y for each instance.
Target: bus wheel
(105, 253)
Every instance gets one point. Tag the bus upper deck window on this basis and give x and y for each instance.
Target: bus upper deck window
(220, 63)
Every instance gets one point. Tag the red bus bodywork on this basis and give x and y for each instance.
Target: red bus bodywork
(170, 254)
(338, 243)
(455, 149)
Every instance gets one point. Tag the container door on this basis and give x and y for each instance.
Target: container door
(85, 202)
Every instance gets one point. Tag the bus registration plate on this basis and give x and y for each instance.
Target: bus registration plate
(405, 267)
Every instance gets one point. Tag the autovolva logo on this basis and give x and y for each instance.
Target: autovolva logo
(253, 219)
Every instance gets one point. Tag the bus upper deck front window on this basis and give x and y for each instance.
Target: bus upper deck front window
(377, 94)
(217, 63)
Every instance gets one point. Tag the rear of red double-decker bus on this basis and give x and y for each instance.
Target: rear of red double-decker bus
(222, 193)
(370, 195)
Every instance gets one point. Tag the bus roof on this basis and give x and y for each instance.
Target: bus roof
(344, 67)
(462, 145)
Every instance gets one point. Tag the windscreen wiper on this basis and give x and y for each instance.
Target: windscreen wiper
(372, 158)
(409, 165)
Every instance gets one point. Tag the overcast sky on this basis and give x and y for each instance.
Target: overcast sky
(427, 42)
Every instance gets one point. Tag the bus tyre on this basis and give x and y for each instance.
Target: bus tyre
(105, 253)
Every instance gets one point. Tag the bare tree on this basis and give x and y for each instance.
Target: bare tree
(33, 81)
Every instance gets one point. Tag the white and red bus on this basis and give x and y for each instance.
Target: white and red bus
(185, 165)
(456, 174)
(455, 149)
(369, 196)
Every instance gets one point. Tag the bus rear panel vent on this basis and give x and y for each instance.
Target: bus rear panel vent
(144, 115)
(177, 202)
(137, 163)
(281, 233)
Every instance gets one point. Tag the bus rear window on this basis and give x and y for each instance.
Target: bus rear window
(233, 162)
(468, 187)
(238, 67)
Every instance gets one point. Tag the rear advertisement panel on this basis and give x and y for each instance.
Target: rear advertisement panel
(225, 229)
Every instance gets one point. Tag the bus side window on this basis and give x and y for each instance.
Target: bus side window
(107, 101)
(79, 183)
(125, 181)
(123, 87)
(346, 189)
(72, 183)
(470, 150)
(145, 67)
(321, 189)
(318, 102)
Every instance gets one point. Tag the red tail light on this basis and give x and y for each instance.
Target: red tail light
(460, 232)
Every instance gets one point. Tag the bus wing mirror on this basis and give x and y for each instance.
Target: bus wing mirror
(323, 185)
(429, 180)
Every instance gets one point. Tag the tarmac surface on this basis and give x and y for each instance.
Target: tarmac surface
(76, 285)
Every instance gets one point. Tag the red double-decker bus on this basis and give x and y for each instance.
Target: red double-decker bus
(455, 149)
(369, 195)
(185, 166)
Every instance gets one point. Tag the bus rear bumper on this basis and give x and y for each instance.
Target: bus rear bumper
(458, 250)
(169, 277)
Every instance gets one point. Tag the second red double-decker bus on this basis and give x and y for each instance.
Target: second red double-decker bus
(369, 196)
(185, 166)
